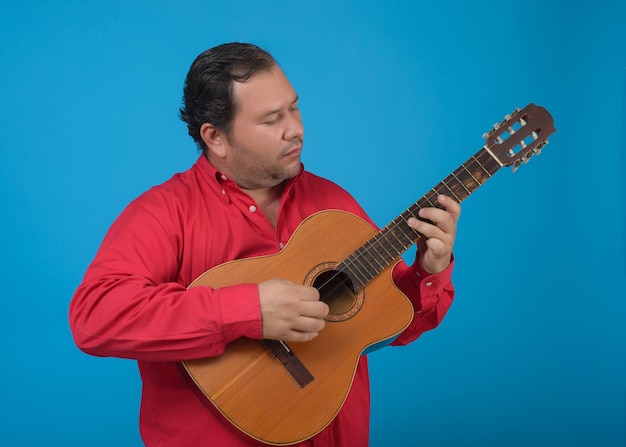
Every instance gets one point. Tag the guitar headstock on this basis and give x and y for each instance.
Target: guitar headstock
(520, 135)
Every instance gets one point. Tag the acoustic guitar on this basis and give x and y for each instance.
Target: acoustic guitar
(283, 394)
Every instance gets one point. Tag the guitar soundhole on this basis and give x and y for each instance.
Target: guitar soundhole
(336, 290)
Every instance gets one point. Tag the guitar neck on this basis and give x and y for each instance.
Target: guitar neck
(395, 238)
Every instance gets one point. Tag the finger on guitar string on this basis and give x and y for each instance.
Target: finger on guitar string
(309, 324)
(438, 231)
(290, 312)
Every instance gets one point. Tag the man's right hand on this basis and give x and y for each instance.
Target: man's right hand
(291, 312)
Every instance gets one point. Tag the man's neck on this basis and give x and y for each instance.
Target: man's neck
(268, 201)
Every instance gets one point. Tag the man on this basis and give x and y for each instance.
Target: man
(244, 197)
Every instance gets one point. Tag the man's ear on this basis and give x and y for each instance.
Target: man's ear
(214, 139)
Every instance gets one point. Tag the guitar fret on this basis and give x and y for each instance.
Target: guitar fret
(458, 174)
(429, 202)
(364, 266)
(450, 190)
(481, 165)
(371, 245)
(394, 242)
(491, 163)
(374, 266)
(356, 273)
(455, 185)
(366, 272)
(472, 175)
(404, 245)
(379, 243)
(408, 213)
(485, 162)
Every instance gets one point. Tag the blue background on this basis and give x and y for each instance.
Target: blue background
(395, 95)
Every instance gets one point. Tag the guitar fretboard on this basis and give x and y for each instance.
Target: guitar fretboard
(395, 238)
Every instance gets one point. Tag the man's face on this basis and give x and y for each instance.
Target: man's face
(265, 141)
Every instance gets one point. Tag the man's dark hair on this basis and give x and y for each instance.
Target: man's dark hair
(208, 92)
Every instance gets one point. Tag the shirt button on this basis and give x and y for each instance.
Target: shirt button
(281, 245)
(252, 208)
(224, 177)
(223, 192)
(428, 284)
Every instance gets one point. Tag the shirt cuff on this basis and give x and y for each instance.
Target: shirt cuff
(241, 312)
(431, 284)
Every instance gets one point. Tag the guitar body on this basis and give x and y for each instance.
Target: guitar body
(251, 387)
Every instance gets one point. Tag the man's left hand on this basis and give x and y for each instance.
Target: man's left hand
(435, 245)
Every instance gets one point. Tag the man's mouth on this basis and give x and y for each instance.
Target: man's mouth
(294, 151)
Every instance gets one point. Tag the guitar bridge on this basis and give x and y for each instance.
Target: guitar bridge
(290, 361)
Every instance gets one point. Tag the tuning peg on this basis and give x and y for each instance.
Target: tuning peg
(539, 147)
(523, 160)
(509, 117)
(518, 163)
(506, 119)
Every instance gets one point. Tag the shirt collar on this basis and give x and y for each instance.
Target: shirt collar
(223, 185)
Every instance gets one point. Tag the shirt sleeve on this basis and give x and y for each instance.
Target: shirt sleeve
(131, 303)
(430, 294)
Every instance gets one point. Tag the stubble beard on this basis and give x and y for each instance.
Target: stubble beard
(251, 177)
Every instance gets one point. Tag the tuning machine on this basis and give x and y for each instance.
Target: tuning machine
(498, 126)
(527, 156)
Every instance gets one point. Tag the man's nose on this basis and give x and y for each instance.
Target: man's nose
(294, 129)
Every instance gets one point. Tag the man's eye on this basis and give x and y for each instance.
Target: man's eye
(273, 121)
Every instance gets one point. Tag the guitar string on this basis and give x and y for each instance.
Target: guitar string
(395, 224)
(488, 159)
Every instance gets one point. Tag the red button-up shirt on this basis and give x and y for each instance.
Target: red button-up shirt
(134, 302)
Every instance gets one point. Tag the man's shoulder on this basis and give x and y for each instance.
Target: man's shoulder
(179, 187)
(308, 179)
(326, 193)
